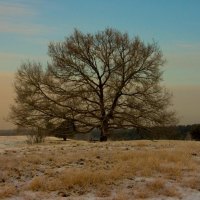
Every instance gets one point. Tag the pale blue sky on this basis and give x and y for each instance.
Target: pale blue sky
(27, 26)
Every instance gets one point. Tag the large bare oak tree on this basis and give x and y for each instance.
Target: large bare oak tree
(104, 80)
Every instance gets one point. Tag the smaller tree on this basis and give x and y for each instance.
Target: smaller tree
(64, 130)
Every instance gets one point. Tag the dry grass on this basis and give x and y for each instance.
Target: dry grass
(141, 143)
(156, 185)
(100, 167)
(141, 193)
(7, 191)
(103, 191)
(37, 183)
(193, 183)
(121, 195)
(171, 191)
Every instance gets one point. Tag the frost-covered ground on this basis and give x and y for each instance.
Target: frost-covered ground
(112, 170)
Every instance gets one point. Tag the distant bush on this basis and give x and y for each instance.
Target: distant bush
(35, 135)
(195, 132)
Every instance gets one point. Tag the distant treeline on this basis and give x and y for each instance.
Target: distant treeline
(180, 132)
(10, 132)
(13, 132)
(154, 133)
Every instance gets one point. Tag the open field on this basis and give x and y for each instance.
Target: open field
(112, 170)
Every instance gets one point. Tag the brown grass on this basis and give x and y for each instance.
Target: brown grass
(155, 188)
(37, 183)
(7, 191)
(171, 191)
(156, 185)
(103, 191)
(121, 195)
(193, 183)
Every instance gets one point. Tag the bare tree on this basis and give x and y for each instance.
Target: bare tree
(104, 80)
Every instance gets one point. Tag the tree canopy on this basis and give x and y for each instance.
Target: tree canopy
(105, 80)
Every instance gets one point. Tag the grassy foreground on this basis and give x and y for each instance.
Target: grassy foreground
(110, 170)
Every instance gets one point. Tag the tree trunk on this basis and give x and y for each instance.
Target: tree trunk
(104, 132)
(64, 138)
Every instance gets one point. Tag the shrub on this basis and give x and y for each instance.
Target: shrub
(195, 133)
(35, 135)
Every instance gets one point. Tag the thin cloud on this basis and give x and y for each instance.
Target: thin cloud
(188, 59)
(15, 9)
(17, 18)
(23, 28)
(10, 61)
(184, 55)
(188, 45)
(11, 56)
